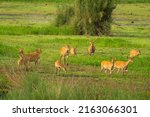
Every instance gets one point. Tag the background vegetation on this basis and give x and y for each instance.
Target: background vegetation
(65, 1)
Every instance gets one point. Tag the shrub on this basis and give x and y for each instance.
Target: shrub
(91, 17)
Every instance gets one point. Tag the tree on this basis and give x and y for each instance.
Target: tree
(92, 17)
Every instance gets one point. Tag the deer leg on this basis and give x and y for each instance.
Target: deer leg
(118, 71)
(58, 71)
(105, 71)
(64, 69)
(66, 59)
(110, 72)
(55, 70)
(123, 71)
(36, 62)
(101, 69)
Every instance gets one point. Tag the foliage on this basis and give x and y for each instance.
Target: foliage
(64, 14)
(90, 17)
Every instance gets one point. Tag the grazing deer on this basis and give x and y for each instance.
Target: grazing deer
(59, 66)
(91, 48)
(122, 65)
(107, 66)
(73, 51)
(64, 53)
(134, 53)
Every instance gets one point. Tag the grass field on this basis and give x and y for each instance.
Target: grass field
(32, 26)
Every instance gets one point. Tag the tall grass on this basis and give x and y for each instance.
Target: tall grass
(83, 79)
(36, 88)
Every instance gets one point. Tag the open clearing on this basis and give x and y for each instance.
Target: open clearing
(31, 27)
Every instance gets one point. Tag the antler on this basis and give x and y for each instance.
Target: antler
(95, 39)
(88, 37)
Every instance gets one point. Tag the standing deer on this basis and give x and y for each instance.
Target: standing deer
(34, 56)
(59, 66)
(122, 65)
(27, 58)
(22, 59)
(134, 53)
(73, 51)
(91, 48)
(107, 66)
(64, 53)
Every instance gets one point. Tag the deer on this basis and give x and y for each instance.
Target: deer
(34, 56)
(73, 51)
(107, 66)
(122, 65)
(64, 53)
(134, 53)
(91, 48)
(27, 58)
(22, 59)
(59, 66)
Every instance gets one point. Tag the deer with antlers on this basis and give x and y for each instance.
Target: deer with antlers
(91, 48)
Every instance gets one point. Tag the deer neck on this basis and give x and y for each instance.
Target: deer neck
(127, 63)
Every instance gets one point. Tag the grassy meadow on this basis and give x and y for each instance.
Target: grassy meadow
(28, 25)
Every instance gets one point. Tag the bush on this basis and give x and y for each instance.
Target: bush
(64, 14)
(91, 17)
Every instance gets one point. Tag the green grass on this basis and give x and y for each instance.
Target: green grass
(29, 26)
(83, 79)
(133, 1)
(21, 18)
(36, 30)
(56, 1)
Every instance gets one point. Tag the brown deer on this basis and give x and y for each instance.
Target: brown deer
(107, 66)
(122, 65)
(59, 66)
(91, 48)
(27, 58)
(73, 51)
(34, 56)
(64, 53)
(22, 59)
(134, 53)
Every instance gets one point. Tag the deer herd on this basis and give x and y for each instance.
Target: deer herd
(66, 51)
